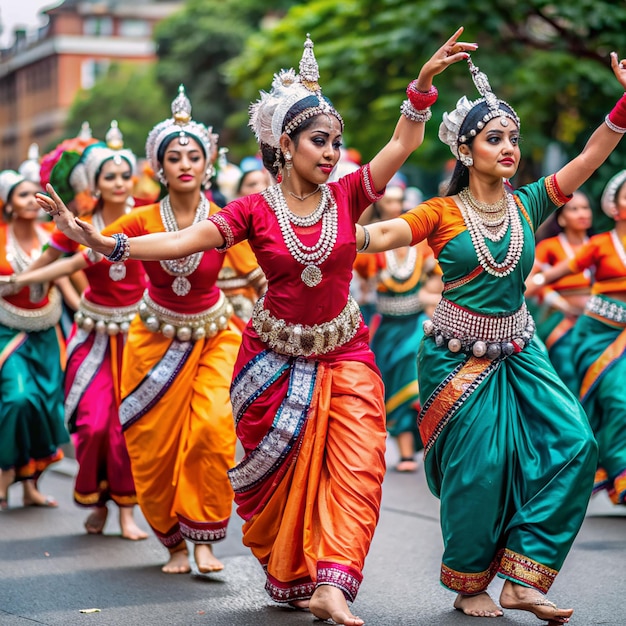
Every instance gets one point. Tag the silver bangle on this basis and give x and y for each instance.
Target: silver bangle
(366, 240)
(411, 113)
(614, 127)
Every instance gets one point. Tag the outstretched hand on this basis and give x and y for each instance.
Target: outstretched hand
(451, 52)
(74, 228)
(619, 69)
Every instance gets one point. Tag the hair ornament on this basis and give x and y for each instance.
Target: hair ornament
(9, 179)
(450, 128)
(29, 169)
(267, 115)
(84, 174)
(182, 125)
(609, 195)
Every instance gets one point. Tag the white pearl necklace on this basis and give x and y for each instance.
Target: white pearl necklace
(309, 256)
(181, 268)
(404, 270)
(479, 232)
(20, 260)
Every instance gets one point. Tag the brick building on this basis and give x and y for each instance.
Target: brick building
(40, 74)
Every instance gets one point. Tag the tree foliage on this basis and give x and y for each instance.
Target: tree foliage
(548, 59)
(193, 46)
(127, 93)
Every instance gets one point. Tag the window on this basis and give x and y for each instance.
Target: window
(91, 70)
(98, 25)
(134, 28)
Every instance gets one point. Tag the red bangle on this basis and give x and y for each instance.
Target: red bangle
(421, 99)
(617, 116)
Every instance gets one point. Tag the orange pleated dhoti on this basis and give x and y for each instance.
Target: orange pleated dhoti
(311, 518)
(178, 425)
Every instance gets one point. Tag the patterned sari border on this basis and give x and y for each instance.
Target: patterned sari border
(469, 583)
(171, 538)
(300, 589)
(12, 346)
(255, 378)
(86, 372)
(341, 576)
(282, 436)
(202, 532)
(153, 387)
(558, 332)
(601, 365)
(450, 395)
(525, 571)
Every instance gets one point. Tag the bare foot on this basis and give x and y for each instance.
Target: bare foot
(94, 524)
(179, 561)
(479, 605)
(130, 530)
(516, 596)
(6, 480)
(328, 602)
(34, 497)
(301, 605)
(205, 559)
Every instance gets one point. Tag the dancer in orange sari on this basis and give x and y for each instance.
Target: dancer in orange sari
(307, 396)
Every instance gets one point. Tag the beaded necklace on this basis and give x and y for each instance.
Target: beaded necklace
(401, 271)
(309, 256)
(479, 231)
(181, 268)
(20, 260)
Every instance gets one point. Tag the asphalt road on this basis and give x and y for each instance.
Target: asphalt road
(50, 570)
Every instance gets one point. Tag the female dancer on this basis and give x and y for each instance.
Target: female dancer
(94, 351)
(502, 433)
(179, 357)
(564, 300)
(400, 276)
(31, 378)
(599, 339)
(307, 397)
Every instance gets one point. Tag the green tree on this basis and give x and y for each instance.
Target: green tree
(193, 46)
(549, 59)
(127, 93)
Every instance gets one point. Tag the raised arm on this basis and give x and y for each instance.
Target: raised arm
(409, 134)
(154, 247)
(538, 280)
(48, 273)
(601, 143)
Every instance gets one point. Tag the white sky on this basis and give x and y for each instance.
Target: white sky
(21, 13)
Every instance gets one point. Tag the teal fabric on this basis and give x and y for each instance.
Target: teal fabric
(605, 403)
(561, 351)
(514, 466)
(31, 387)
(395, 344)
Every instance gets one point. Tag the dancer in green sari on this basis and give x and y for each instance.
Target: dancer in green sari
(508, 448)
(599, 340)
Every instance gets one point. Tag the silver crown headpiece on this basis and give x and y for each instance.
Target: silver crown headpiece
(607, 202)
(182, 125)
(29, 169)
(9, 179)
(267, 115)
(450, 127)
(83, 175)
